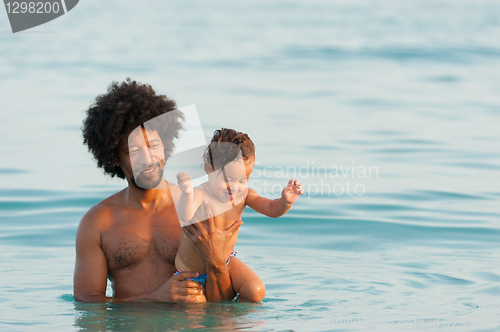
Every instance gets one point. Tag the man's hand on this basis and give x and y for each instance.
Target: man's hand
(185, 183)
(292, 191)
(212, 244)
(178, 289)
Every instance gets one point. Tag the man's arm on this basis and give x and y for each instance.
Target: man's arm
(278, 207)
(91, 267)
(212, 245)
(91, 272)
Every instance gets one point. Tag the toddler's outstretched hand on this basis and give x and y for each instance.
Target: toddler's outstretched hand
(185, 183)
(292, 191)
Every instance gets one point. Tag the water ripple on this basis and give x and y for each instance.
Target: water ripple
(399, 54)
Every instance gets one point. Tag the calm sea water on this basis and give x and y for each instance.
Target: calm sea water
(387, 111)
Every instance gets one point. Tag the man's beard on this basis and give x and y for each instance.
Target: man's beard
(153, 183)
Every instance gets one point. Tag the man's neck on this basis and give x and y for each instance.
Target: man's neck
(149, 198)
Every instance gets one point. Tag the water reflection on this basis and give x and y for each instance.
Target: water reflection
(160, 316)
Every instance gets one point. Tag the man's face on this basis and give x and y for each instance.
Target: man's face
(142, 158)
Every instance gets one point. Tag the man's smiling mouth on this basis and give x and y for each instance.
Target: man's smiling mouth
(148, 170)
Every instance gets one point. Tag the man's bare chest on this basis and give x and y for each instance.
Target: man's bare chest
(133, 241)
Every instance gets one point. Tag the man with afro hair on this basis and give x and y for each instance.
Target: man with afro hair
(132, 237)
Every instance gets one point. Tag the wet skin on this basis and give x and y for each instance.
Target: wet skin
(132, 237)
(227, 194)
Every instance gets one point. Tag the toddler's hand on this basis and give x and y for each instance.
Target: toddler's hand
(185, 183)
(292, 191)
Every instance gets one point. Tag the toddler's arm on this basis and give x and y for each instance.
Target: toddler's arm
(190, 198)
(278, 207)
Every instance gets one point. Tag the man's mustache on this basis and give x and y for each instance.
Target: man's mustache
(157, 164)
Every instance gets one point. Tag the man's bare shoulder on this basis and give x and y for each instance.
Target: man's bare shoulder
(100, 216)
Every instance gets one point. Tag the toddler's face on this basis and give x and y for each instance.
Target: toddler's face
(237, 174)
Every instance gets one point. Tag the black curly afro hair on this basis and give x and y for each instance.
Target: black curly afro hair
(115, 114)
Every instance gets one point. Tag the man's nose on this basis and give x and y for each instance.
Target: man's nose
(146, 156)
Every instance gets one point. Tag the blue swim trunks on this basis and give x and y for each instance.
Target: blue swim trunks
(202, 278)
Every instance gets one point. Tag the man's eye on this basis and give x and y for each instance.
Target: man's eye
(243, 181)
(155, 146)
(133, 151)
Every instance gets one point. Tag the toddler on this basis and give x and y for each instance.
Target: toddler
(228, 161)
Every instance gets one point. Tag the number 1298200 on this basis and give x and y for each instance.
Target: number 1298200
(32, 7)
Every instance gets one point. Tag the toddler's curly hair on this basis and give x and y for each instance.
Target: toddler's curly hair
(218, 155)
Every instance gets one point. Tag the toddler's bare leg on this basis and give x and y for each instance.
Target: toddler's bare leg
(245, 281)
